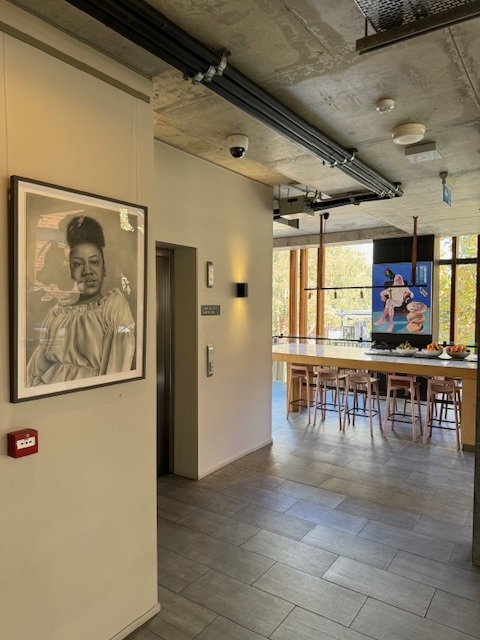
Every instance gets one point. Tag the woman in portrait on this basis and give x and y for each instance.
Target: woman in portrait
(95, 335)
(393, 298)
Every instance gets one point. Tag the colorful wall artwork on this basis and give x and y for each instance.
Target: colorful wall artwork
(397, 305)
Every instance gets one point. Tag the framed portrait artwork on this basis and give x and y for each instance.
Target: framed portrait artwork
(398, 306)
(78, 285)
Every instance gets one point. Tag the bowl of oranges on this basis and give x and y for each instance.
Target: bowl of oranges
(458, 351)
(432, 350)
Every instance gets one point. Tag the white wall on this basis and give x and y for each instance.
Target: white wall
(78, 520)
(228, 219)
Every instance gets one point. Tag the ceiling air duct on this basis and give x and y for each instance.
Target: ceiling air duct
(145, 26)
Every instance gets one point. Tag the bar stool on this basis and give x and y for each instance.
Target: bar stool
(447, 389)
(409, 385)
(327, 380)
(364, 383)
(303, 375)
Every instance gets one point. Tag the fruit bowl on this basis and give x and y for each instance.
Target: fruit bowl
(458, 355)
(406, 352)
(432, 353)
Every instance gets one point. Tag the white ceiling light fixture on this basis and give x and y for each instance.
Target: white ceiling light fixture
(422, 152)
(409, 133)
(385, 105)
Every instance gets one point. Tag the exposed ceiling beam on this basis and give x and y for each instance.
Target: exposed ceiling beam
(141, 23)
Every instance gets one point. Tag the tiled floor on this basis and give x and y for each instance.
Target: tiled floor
(321, 536)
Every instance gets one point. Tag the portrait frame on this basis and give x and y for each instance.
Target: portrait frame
(70, 332)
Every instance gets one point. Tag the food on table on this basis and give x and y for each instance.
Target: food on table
(458, 348)
(405, 346)
(433, 346)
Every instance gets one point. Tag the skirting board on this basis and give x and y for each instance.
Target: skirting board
(237, 457)
(137, 623)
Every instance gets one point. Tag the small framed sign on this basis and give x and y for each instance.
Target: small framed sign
(209, 275)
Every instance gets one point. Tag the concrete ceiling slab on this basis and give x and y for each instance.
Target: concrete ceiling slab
(303, 53)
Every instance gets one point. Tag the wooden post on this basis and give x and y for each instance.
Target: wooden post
(453, 291)
(302, 321)
(293, 297)
(320, 320)
(476, 481)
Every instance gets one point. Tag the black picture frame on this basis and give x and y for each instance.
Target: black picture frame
(78, 309)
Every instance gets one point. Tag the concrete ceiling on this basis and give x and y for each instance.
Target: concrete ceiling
(303, 53)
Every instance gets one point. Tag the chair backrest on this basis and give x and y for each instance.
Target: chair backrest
(299, 371)
(400, 382)
(442, 386)
(358, 377)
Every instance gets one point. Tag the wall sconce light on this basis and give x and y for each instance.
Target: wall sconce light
(241, 289)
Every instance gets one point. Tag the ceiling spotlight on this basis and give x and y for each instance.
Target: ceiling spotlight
(385, 105)
(409, 133)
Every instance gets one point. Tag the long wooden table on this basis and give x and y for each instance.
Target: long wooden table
(358, 358)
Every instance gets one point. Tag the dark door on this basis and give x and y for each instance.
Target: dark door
(164, 362)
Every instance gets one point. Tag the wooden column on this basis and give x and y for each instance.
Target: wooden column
(302, 315)
(453, 291)
(320, 319)
(476, 481)
(293, 294)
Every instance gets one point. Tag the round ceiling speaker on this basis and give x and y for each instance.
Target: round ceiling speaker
(408, 133)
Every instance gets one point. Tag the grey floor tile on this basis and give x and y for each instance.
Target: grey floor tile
(428, 468)
(236, 562)
(336, 471)
(349, 488)
(416, 454)
(378, 469)
(381, 585)
(384, 622)
(305, 625)
(455, 497)
(350, 546)
(289, 460)
(175, 572)
(312, 477)
(461, 476)
(379, 512)
(249, 477)
(216, 483)
(223, 629)
(174, 536)
(218, 526)
(247, 606)
(262, 497)
(317, 514)
(436, 574)
(403, 486)
(179, 619)
(290, 552)
(210, 500)
(314, 495)
(312, 593)
(168, 483)
(171, 509)
(455, 612)
(324, 455)
(417, 543)
(254, 463)
(457, 533)
(438, 510)
(469, 520)
(144, 634)
(462, 558)
(282, 523)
